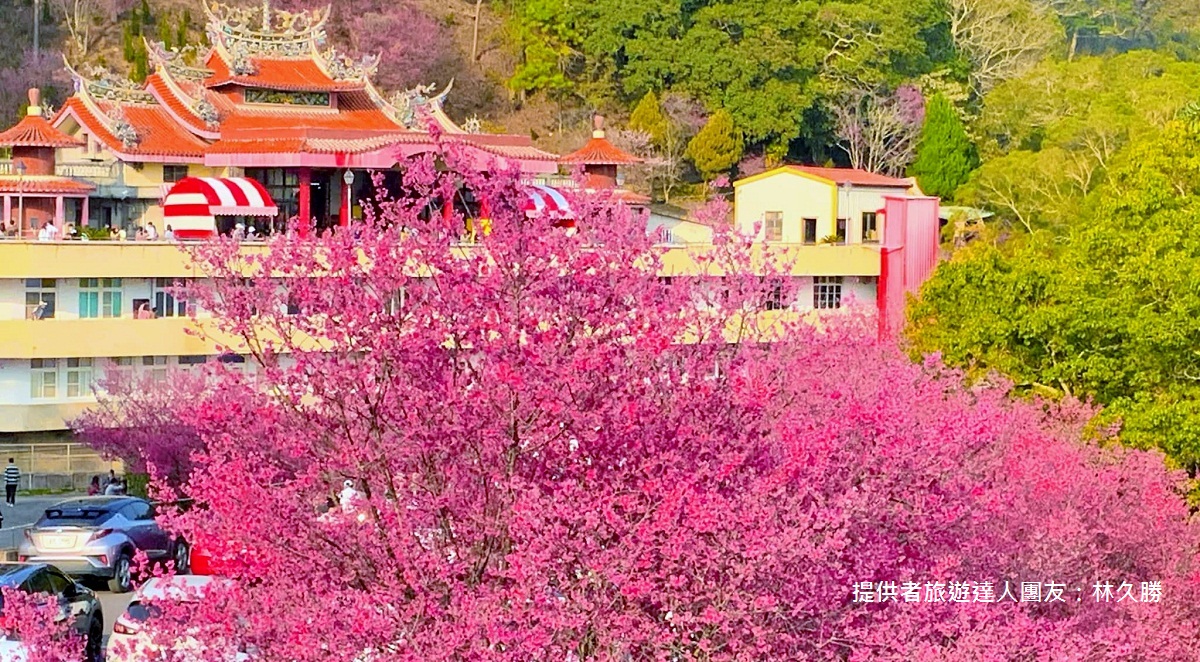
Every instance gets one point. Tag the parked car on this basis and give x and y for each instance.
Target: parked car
(130, 640)
(97, 537)
(76, 603)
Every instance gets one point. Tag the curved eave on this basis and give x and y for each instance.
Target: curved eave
(175, 102)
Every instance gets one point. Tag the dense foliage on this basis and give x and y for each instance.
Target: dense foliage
(1105, 309)
(945, 155)
(545, 472)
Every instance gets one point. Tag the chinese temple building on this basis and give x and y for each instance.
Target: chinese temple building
(600, 160)
(267, 101)
(33, 194)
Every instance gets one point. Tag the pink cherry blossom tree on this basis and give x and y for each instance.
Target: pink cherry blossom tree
(557, 454)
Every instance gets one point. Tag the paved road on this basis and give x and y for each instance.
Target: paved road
(114, 605)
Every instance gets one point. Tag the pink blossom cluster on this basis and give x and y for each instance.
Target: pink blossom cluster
(558, 456)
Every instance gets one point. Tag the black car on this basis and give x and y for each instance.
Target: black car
(77, 602)
(99, 536)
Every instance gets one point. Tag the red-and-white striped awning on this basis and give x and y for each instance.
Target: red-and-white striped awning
(191, 204)
(546, 202)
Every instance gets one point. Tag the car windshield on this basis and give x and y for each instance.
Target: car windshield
(138, 611)
(74, 516)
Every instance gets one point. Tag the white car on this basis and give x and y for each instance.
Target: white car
(130, 642)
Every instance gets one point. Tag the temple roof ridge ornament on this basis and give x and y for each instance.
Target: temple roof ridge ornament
(265, 30)
(100, 83)
(174, 60)
(343, 67)
(409, 106)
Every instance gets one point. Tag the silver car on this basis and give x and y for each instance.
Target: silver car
(97, 537)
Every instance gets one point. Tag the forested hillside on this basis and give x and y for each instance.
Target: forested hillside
(814, 80)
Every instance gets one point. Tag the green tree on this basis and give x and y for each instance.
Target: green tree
(164, 34)
(146, 17)
(717, 147)
(1109, 311)
(945, 155)
(181, 30)
(649, 117)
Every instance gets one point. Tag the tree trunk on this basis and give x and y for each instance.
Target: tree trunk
(1074, 45)
(475, 32)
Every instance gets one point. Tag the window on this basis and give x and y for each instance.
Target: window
(774, 223)
(80, 378)
(870, 226)
(174, 173)
(260, 95)
(810, 230)
(156, 366)
(58, 583)
(99, 297)
(43, 378)
(193, 360)
(167, 302)
(841, 229)
(827, 292)
(138, 510)
(40, 295)
(779, 294)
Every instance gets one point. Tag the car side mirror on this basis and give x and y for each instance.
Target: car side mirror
(72, 591)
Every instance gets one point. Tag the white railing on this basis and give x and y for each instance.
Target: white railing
(87, 170)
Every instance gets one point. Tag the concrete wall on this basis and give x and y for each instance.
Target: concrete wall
(797, 197)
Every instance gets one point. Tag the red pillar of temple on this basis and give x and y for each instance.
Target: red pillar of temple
(304, 198)
(344, 213)
(447, 210)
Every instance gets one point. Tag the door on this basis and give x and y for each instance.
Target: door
(75, 603)
(143, 530)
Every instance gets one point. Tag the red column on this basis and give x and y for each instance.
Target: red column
(447, 210)
(304, 199)
(84, 219)
(344, 214)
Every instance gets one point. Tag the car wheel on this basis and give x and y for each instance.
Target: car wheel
(183, 557)
(122, 575)
(94, 651)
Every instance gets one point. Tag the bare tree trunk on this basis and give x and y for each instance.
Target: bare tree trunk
(1074, 45)
(475, 32)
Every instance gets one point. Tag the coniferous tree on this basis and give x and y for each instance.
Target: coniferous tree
(146, 18)
(181, 30)
(164, 34)
(649, 117)
(945, 154)
(717, 147)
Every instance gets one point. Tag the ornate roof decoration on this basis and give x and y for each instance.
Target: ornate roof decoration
(123, 130)
(103, 84)
(264, 30)
(473, 125)
(175, 61)
(206, 111)
(409, 106)
(343, 67)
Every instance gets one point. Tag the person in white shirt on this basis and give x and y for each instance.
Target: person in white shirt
(151, 232)
(48, 232)
(348, 497)
(170, 234)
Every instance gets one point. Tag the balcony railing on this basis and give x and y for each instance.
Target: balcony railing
(80, 170)
(87, 170)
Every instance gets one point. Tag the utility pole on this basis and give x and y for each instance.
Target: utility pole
(37, 26)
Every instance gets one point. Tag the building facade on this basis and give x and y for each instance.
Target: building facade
(269, 102)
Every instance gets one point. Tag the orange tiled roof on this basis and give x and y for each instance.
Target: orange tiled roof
(158, 133)
(598, 151)
(36, 131)
(30, 185)
(286, 74)
(157, 84)
(853, 176)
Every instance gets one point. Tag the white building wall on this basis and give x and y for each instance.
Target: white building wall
(795, 196)
(853, 201)
(12, 299)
